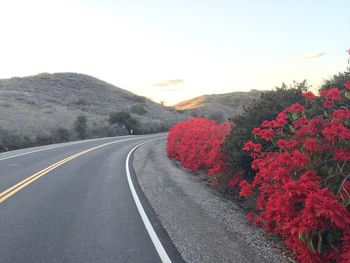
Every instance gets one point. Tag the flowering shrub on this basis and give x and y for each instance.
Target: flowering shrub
(303, 179)
(265, 108)
(300, 164)
(197, 144)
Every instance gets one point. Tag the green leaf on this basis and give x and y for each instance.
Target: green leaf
(311, 245)
(301, 237)
(347, 95)
(294, 115)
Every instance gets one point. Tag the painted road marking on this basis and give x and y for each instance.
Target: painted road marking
(156, 242)
(50, 148)
(17, 187)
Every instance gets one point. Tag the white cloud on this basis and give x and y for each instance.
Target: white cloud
(169, 82)
(313, 55)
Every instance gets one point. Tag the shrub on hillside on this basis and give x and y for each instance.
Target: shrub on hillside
(10, 140)
(218, 115)
(17, 139)
(80, 126)
(138, 109)
(155, 126)
(197, 144)
(125, 118)
(265, 108)
(60, 134)
(100, 130)
(303, 178)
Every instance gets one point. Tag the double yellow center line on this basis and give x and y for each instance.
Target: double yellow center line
(17, 187)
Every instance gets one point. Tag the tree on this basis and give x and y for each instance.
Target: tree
(125, 118)
(80, 126)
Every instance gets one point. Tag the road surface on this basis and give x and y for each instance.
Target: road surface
(76, 203)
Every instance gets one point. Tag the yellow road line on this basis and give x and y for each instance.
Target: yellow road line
(17, 187)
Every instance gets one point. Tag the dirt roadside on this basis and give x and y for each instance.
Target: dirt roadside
(203, 226)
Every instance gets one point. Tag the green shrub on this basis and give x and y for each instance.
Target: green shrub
(266, 107)
(337, 81)
(80, 126)
(138, 109)
(61, 134)
(125, 118)
(217, 115)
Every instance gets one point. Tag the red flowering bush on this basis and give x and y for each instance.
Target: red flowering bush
(303, 179)
(197, 144)
(266, 107)
(300, 164)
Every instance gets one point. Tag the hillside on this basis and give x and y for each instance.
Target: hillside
(218, 106)
(49, 100)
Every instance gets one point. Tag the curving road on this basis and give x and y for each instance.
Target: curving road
(75, 202)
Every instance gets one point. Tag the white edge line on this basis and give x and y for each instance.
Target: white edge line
(156, 242)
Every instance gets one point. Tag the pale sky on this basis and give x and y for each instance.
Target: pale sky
(175, 50)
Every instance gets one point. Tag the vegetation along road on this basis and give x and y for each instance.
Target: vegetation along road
(78, 202)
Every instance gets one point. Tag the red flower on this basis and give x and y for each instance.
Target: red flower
(328, 104)
(309, 175)
(315, 125)
(299, 159)
(246, 189)
(295, 108)
(235, 181)
(287, 145)
(267, 135)
(331, 94)
(309, 95)
(348, 51)
(271, 124)
(341, 114)
(249, 145)
(282, 119)
(250, 216)
(334, 130)
(347, 83)
(341, 155)
(311, 144)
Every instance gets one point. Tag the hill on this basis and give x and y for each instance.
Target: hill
(218, 106)
(51, 100)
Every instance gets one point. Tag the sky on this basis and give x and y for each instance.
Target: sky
(175, 50)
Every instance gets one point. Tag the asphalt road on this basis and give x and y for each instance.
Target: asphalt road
(81, 209)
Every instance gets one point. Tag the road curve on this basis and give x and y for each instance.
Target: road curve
(73, 203)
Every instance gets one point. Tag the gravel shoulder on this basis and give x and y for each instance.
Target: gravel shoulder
(203, 226)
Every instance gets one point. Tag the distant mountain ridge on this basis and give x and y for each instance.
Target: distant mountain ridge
(226, 105)
(57, 99)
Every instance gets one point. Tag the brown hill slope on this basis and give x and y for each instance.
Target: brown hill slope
(218, 106)
(48, 100)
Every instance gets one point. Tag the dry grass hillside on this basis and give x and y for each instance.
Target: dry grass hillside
(218, 106)
(48, 100)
